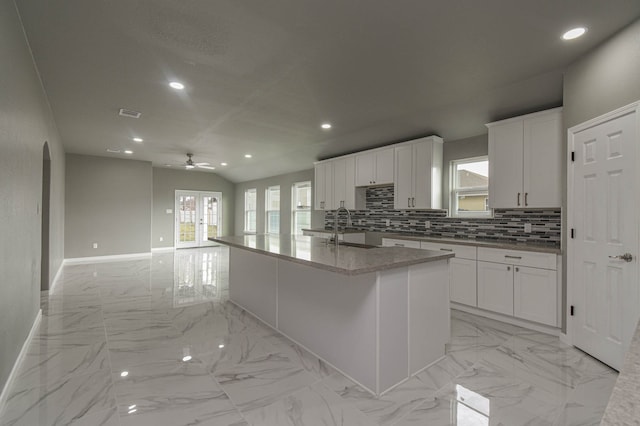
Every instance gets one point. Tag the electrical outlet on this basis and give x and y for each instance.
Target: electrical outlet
(95, 245)
(359, 221)
(427, 224)
(161, 238)
(388, 222)
(527, 227)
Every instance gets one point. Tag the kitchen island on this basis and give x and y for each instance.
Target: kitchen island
(379, 315)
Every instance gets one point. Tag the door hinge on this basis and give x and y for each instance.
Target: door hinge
(573, 156)
(571, 310)
(573, 233)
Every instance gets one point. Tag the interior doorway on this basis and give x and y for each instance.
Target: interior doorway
(602, 262)
(44, 218)
(198, 217)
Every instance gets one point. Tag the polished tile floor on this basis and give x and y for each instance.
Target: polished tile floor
(155, 342)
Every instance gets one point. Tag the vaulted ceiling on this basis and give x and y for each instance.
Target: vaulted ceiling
(261, 76)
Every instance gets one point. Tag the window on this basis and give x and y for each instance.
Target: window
(272, 209)
(250, 210)
(301, 207)
(470, 187)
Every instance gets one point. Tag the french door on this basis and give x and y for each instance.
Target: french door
(198, 216)
(603, 217)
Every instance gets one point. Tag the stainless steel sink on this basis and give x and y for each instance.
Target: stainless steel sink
(358, 245)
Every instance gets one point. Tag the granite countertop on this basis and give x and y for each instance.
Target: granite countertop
(340, 231)
(535, 247)
(315, 252)
(624, 404)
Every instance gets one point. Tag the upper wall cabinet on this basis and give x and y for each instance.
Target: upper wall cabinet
(323, 186)
(344, 190)
(418, 174)
(374, 167)
(525, 161)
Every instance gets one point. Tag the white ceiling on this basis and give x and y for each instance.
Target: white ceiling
(261, 76)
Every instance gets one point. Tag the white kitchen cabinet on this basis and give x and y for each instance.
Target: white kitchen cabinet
(495, 287)
(418, 174)
(392, 242)
(344, 191)
(534, 295)
(374, 167)
(323, 186)
(462, 271)
(525, 161)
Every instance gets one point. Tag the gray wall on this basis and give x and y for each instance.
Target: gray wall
(26, 122)
(167, 181)
(475, 146)
(285, 181)
(108, 201)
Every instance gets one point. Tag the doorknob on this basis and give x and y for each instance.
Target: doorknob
(627, 257)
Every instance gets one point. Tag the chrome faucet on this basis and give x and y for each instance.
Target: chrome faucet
(335, 222)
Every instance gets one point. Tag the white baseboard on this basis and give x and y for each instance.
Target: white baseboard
(110, 258)
(57, 276)
(162, 249)
(510, 320)
(16, 365)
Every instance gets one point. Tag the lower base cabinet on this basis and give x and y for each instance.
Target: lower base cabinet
(535, 295)
(495, 287)
(462, 281)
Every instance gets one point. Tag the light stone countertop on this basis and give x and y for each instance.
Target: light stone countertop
(624, 404)
(529, 246)
(315, 252)
(340, 231)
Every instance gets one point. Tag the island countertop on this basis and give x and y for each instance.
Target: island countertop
(315, 252)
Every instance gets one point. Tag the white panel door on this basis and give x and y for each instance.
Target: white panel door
(339, 179)
(604, 214)
(495, 287)
(365, 169)
(542, 161)
(422, 161)
(505, 165)
(535, 295)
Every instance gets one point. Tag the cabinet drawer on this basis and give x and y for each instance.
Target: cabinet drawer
(517, 257)
(392, 242)
(461, 251)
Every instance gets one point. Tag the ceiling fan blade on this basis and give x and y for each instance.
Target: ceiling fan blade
(202, 164)
(207, 167)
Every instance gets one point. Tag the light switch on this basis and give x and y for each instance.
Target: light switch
(169, 211)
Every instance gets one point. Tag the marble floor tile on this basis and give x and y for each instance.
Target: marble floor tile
(193, 357)
(313, 405)
(384, 410)
(62, 402)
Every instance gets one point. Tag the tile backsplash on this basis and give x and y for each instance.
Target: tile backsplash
(505, 225)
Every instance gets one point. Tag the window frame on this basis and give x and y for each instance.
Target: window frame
(247, 229)
(454, 193)
(267, 202)
(294, 204)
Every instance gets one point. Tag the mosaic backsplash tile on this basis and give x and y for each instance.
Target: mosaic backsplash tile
(506, 225)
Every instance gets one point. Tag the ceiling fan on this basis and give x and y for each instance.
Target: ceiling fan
(189, 164)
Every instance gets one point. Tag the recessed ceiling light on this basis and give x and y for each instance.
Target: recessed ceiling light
(131, 407)
(176, 85)
(132, 411)
(186, 358)
(128, 151)
(221, 346)
(138, 140)
(124, 374)
(248, 156)
(574, 33)
(326, 126)
(113, 151)
(223, 164)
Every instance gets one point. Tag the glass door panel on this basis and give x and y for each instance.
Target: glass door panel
(198, 218)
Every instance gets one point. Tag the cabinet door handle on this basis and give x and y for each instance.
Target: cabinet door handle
(526, 203)
(517, 269)
(518, 199)
(409, 202)
(508, 268)
(444, 249)
(413, 202)
(512, 257)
